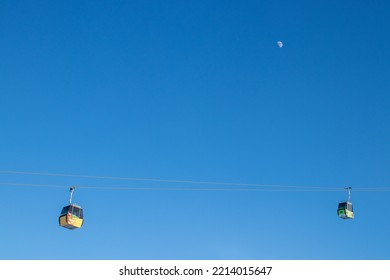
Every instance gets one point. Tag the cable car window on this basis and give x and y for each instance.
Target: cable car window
(76, 211)
(65, 210)
(342, 205)
(81, 213)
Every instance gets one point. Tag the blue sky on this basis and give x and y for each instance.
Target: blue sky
(195, 90)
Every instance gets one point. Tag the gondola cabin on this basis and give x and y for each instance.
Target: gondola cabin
(71, 217)
(345, 210)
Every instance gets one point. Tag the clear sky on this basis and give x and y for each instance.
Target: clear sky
(195, 90)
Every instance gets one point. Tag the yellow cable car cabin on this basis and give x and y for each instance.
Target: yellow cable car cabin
(71, 217)
(345, 210)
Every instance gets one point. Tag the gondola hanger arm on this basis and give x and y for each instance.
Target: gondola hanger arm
(349, 192)
(71, 190)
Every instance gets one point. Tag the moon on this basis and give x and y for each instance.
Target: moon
(280, 44)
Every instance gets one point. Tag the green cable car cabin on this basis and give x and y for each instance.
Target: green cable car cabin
(71, 216)
(345, 210)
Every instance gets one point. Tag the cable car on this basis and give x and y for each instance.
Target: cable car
(345, 209)
(71, 216)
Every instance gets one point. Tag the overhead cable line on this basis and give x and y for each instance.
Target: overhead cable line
(193, 189)
(226, 184)
(161, 180)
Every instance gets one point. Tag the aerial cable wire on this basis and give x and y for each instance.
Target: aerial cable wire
(259, 187)
(170, 188)
(160, 180)
(194, 189)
